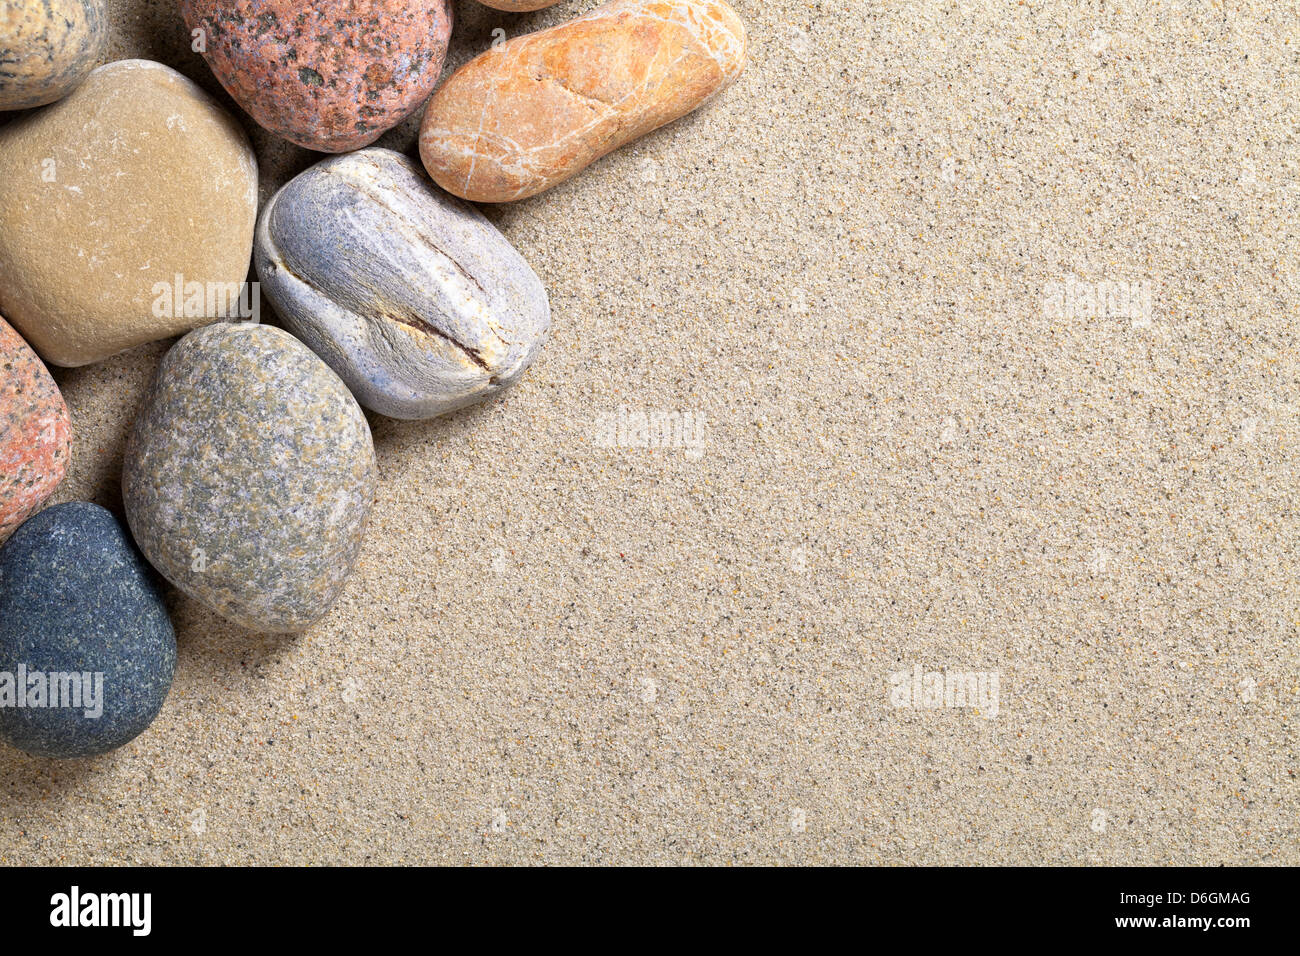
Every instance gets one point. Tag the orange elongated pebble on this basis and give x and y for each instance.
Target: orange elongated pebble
(534, 111)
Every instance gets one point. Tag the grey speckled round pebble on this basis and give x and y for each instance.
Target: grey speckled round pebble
(46, 49)
(249, 475)
(77, 598)
(415, 299)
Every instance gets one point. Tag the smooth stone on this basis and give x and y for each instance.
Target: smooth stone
(417, 301)
(249, 475)
(76, 597)
(46, 48)
(107, 197)
(534, 111)
(330, 77)
(35, 432)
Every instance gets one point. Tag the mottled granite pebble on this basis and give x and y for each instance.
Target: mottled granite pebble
(76, 597)
(35, 432)
(330, 77)
(532, 112)
(46, 48)
(110, 195)
(249, 475)
(417, 301)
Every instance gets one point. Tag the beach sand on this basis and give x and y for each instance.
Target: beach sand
(900, 445)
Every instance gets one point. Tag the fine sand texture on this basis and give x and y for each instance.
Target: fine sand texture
(969, 334)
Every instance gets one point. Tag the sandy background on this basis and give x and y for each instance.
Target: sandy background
(553, 651)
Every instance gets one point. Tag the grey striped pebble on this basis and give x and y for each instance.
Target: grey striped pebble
(417, 301)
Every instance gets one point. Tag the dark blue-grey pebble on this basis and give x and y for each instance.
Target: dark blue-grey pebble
(76, 596)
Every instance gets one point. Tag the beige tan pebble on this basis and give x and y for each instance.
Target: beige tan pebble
(134, 187)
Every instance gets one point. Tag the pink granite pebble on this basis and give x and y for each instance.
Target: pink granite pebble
(34, 432)
(331, 76)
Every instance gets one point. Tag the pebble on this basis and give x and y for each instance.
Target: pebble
(46, 48)
(35, 432)
(534, 111)
(136, 184)
(330, 77)
(76, 597)
(249, 475)
(417, 301)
